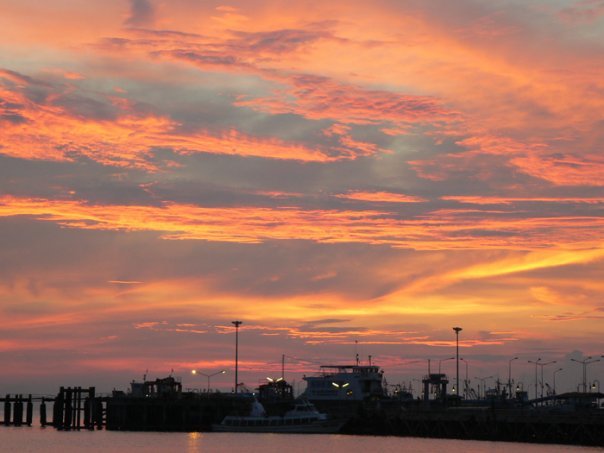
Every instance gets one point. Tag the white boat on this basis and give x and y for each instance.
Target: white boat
(304, 418)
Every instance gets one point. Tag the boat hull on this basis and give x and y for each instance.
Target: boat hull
(320, 427)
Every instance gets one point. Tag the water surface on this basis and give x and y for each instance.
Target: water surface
(49, 440)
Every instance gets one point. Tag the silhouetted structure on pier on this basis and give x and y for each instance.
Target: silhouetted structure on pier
(14, 410)
(161, 405)
(75, 408)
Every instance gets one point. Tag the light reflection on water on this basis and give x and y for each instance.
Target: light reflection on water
(49, 441)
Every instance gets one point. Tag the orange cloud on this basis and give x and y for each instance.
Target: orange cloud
(564, 170)
(486, 200)
(50, 132)
(381, 197)
(437, 230)
(322, 98)
(532, 261)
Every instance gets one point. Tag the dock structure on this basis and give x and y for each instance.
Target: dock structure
(509, 425)
(74, 409)
(18, 410)
(435, 384)
(161, 405)
(575, 418)
(571, 418)
(190, 412)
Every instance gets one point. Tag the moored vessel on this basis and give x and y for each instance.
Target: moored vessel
(303, 418)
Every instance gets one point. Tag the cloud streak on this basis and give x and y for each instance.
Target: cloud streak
(323, 171)
(256, 224)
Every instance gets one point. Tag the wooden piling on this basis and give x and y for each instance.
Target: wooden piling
(18, 411)
(98, 413)
(68, 412)
(58, 409)
(7, 410)
(89, 409)
(78, 407)
(43, 413)
(29, 416)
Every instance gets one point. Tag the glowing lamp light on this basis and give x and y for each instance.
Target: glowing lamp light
(269, 379)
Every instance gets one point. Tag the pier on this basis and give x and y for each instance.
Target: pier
(575, 418)
(161, 405)
(525, 424)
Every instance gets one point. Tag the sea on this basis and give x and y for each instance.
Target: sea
(49, 440)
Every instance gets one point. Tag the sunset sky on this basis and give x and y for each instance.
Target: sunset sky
(327, 172)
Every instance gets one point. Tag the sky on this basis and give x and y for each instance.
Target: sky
(344, 177)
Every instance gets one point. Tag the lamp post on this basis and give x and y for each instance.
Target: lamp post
(536, 363)
(543, 364)
(557, 371)
(236, 324)
(585, 362)
(457, 330)
(465, 387)
(510, 375)
(443, 360)
(195, 372)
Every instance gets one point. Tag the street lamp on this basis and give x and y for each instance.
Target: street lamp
(543, 364)
(457, 330)
(465, 387)
(195, 372)
(585, 362)
(510, 375)
(536, 363)
(236, 324)
(443, 360)
(557, 371)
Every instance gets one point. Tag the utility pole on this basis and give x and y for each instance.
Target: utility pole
(283, 366)
(536, 364)
(457, 330)
(236, 324)
(510, 376)
(585, 362)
